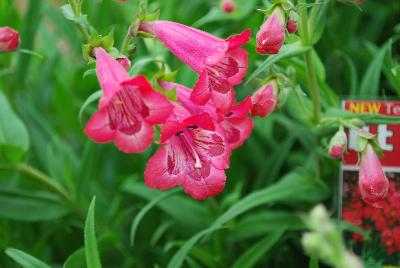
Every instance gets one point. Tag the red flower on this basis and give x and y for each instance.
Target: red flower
(265, 99)
(271, 35)
(372, 181)
(228, 6)
(128, 108)
(236, 124)
(194, 155)
(9, 39)
(291, 26)
(220, 63)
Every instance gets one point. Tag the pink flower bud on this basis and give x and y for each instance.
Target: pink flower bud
(372, 181)
(336, 151)
(338, 144)
(9, 39)
(228, 6)
(264, 100)
(271, 35)
(291, 26)
(125, 62)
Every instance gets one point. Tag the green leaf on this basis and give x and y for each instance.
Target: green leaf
(251, 256)
(287, 51)
(24, 259)
(91, 250)
(368, 118)
(291, 187)
(15, 203)
(147, 208)
(76, 259)
(14, 137)
(313, 263)
(92, 98)
(370, 82)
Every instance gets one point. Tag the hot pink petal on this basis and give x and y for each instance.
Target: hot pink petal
(190, 45)
(201, 92)
(160, 172)
(237, 130)
(223, 101)
(241, 57)
(109, 72)
(98, 127)
(205, 183)
(9, 39)
(242, 109)
(239, 40)
(159, 107)
(372, 181)
(135, 142)
(271, 35)
(264, 100)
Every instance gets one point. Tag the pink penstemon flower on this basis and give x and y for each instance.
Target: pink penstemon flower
(9, 39)
(265, 99)
(236, 124)
(372, 181)
(337, 144)
(128, 109)
(194, 155)
(220, 63)
(271, 35)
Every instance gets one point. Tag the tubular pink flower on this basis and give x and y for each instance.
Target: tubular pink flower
(220, 63)
(236, 124)
(372, 181)
(228, 6)
(265, 100)
(271, 35)
(128, 108)
(9, 39)
(125, 62)
(194, 155)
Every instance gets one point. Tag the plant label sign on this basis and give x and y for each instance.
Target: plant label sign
(381, 225)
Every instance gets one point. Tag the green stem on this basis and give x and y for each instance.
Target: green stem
(125, 42)
(310, 68)
(41, 178)
(77, 13)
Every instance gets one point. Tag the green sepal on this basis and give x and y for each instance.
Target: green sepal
(144, 34)
(96, 40)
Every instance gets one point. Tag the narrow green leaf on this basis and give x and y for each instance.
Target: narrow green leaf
(370, 82)
(313, 263)
(368, 118)
(147, 208)
(14, 137)
(91, 250)
(92, 98)
(24, 259)
(291, 187)
(287, 51)
(251, 256)
(76, 259)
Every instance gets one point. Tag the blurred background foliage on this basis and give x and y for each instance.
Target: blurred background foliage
(253, 223)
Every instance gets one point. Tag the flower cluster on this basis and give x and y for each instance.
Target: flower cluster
(198, 130)
(385, 220)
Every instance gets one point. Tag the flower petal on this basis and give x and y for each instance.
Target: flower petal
(98, 127)
(206, 182)
(241, 57)
(159, 107)
(237, 130)
(109, 72)
(137, 142)
(223, 101)
(239, 39)
(201, 92)
(161, 172)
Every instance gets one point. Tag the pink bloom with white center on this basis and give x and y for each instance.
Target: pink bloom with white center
(195, 155)
(128, 109)
(228, 6)
(9, 39)
(265, 99)
(372, 181)
(236, 124)
(220, 63)
(271, 35)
